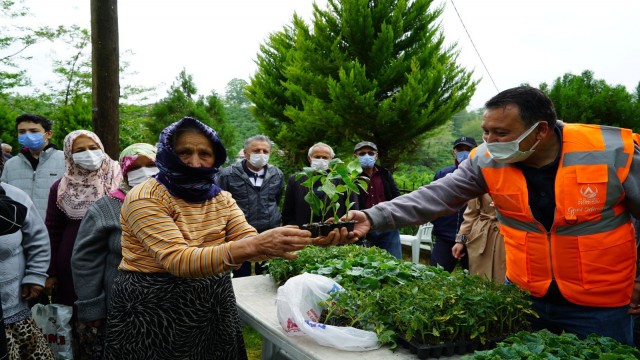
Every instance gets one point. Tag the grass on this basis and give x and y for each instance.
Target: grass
(253, 342)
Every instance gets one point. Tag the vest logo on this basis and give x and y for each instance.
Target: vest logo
(588, 192)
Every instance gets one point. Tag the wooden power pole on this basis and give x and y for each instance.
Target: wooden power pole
(105, 57)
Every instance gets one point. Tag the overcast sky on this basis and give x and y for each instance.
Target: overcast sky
(518, 40)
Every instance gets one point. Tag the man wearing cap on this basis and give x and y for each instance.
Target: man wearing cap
(445, 228)
(381, 188)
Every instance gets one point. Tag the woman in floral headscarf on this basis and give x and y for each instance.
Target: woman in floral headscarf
(181, 234)
(97, 251)
(90, 174)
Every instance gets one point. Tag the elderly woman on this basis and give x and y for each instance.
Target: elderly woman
(24, 258)
(97, 251)
(181, 234)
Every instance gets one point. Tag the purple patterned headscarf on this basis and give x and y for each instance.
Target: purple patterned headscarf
(192, 184)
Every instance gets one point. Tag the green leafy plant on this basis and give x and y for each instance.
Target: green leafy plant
(350, 182)
(312, 176)
(546, 345)
(339, 181)
(418, 303)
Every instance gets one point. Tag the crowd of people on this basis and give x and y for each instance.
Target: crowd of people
(144, 248)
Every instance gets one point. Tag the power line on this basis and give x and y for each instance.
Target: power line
(474, 46)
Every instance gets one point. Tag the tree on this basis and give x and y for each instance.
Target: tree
(180, 103)
(585, 99)
(106, 65)
(235, 93)
(367, 70)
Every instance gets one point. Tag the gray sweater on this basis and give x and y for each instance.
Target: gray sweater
(96, 255)
(24, 257)
(19, 173)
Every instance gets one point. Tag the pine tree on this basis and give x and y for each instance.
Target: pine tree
(366, 70)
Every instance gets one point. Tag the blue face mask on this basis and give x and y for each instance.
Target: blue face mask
(462, 156)
(34, 141)
(367, 161)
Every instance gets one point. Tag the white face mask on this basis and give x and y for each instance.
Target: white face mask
(320, 164)
(259, 160)
(138, 176)
(509, 152)
(89, 159)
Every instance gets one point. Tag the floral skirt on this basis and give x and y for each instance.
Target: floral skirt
(161, 316)
(26, 341)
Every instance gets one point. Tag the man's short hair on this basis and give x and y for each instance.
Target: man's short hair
(36, 119)
(534, 105)
(318, 145)
(262, 138)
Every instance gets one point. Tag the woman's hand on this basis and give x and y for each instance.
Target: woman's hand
(31, 291)
(335, 237)
(281, 242)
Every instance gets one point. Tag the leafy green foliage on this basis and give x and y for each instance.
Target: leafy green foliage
(397, 298)
(584, 99)
(15, 40)
(546, 345)
(180, 103)
(339, 181)
(374, 70)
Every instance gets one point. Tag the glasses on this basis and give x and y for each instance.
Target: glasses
(363, 153)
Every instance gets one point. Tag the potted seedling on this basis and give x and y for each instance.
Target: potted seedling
(349, 182)
(312, 176)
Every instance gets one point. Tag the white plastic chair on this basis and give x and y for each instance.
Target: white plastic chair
(421, 240)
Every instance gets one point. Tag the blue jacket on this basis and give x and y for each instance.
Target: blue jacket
(446, 227)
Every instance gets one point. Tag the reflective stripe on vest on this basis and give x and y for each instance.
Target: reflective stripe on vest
(590, 250)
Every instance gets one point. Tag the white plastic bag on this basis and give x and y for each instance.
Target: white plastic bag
(298, 312)
(54, 321)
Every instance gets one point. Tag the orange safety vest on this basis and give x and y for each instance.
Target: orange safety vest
(590, 250)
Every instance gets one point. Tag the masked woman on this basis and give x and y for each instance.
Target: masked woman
(90, 174)
(97, 251)
(181, 234)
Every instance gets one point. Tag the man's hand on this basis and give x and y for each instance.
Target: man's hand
(31, 291)
(362, 227)
(458, 251)
(634, 306)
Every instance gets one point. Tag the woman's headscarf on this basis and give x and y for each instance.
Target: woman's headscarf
(79, 187)
(192, 184)
(128, 156)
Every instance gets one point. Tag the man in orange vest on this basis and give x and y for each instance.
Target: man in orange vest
(564, 195)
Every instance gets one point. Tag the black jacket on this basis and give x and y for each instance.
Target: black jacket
(260, 207)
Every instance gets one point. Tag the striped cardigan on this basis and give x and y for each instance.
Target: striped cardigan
(162, 233)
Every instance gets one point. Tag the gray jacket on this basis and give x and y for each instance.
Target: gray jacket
(24, 256)
(260, 207)
(96, 255)
(19, 173)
